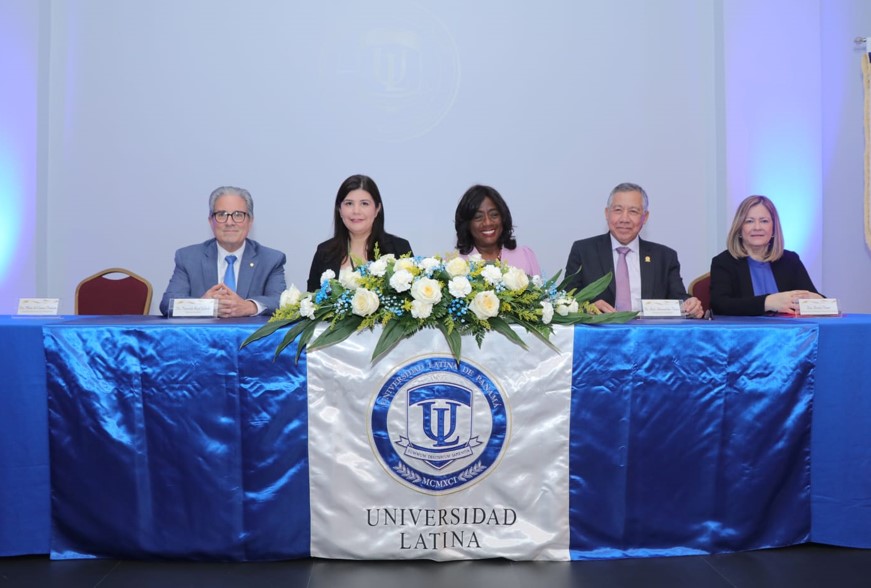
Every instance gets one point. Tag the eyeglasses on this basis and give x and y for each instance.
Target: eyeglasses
(632, 211)
(221, 216)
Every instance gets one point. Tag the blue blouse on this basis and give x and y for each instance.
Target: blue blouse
(762, 277)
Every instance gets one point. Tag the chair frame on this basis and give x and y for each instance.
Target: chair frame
(705, 276)
(117, 270)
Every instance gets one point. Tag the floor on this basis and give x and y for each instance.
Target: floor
(809, 565)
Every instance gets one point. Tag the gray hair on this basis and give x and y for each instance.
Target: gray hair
(224, 190)
(628, 187)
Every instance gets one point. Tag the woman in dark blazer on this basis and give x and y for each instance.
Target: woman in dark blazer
(756, 275)
(358, 225)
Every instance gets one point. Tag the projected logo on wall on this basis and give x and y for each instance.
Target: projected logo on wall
(437, 426)
(392, 69)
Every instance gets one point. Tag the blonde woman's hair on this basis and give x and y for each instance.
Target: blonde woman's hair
(734, 242)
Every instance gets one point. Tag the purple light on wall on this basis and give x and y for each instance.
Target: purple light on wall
(786, 168)
(19, 44)
(773, 108)
(11, 199)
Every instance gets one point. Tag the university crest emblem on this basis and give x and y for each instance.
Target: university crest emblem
(437, 426)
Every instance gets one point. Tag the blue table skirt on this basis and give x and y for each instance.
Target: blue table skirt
(24, 492)
(841, 434)
(840, 452)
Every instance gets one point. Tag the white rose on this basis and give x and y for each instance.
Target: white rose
(516, 279)
(427, 290)
(349, 279)
(290, 296)
(492, 274)
(546, 312)
(307, 307)
(327, 275)
(459, 287)
(364, 302)
(537, 281)
(476, 257)
(401, 280)
(485, 304)
(420, 309)
(428, 264)
(404, 263)
(457, 267)
(378, 267)
(573, 307)
(388, 257)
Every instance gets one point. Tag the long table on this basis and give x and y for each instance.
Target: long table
(678, 382)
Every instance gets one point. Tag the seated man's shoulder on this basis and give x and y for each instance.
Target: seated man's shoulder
(657, 247)
(196, 248)
(265, 251)
(590, 241)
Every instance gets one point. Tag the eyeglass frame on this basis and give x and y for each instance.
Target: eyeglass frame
(227, 215)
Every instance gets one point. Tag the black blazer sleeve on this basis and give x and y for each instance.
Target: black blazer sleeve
(660, 273)
(395, 245)
(790, 273)
(321, 262)
(589, 260)
(675, 290)
(732, 289)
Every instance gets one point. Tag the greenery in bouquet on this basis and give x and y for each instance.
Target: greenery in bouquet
(456, 296)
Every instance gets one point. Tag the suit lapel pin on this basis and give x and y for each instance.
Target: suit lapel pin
(646, 259)
(251, 264)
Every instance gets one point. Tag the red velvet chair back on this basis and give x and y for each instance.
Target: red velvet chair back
(701, 289)
(99, 294)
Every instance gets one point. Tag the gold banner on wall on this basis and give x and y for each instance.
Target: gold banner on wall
(866, 77)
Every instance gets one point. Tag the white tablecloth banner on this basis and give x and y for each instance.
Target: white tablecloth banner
(415, 457)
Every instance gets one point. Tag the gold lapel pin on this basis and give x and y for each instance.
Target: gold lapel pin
(646, 259)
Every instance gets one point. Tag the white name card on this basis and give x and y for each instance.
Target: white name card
(38, 306)
(661, 309)
(818, 307)
(194, 307)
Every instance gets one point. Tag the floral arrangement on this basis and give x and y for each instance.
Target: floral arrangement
(457, 296)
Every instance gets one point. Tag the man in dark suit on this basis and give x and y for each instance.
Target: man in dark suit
(652, 270)
(252, 276)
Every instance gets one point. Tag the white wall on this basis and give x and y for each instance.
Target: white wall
(153, 105)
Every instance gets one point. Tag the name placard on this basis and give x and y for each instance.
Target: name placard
(661, 309)
(818, 307)
(194, 307)
(38, 306)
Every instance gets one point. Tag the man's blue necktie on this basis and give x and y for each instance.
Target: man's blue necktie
(230, 275)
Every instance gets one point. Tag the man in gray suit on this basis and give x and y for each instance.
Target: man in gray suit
(653, 270)
(251, 275)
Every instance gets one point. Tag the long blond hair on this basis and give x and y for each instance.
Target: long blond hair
(734, 242)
